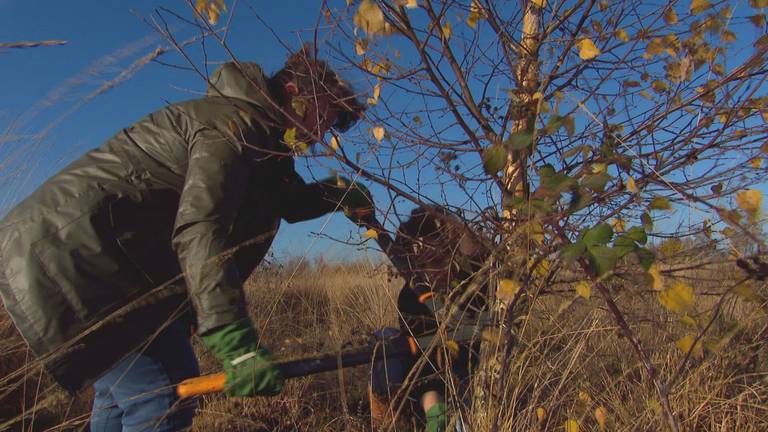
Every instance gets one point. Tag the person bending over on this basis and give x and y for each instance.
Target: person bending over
(101, 261)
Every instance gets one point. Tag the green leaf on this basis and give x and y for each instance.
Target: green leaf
(572, 152)
(596, 182)
(646, 257)
(553, 124)
(630, 241)
(519, 140)
(494, 158)
(553, 184)
(647, 221)
(580, 198)
(598, 236)
(624, 245)
(637, 234)
(546, 171)
(573, 251)
(570, 125)
(556, 122)
(531, 206)
(660, 203)
(602, 258)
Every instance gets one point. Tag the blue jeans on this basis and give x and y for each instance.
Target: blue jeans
(138, 394)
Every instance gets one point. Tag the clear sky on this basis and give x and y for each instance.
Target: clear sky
(43, 88)
(45, 123)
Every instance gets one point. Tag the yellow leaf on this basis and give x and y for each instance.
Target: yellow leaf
(657, 280)
(598, 168)
(699, 6)
(689, 321)
(201, 6)
(491, 335)
(622, 35)
(299, 105)
(376, 93)
(654, 405)
(378, 133)
(756, 163)
(452, 346)
(617, 224)
(660, 203)
(632, 186)
(532, 230)
(745, 291)
(289, 137)
(585, 397)
(749, 200)
(371, 233)
(645, 94)
(360, 46)
(212, 8)
(540, 267)
(685, 344)
(601, 415)
(475, 13)
(670, 17)
(541, 414)
(587, 49)
(539, 3)
(659, 86)
(370, 18)
(412, 4)
(447, 30)
(583, 289)
(677, 298)
(334, 143)
(213, 14)
(507, 290)
(571, 426)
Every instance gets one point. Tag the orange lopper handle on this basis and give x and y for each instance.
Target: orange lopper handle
(201, 385)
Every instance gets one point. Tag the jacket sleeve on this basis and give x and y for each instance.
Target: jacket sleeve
(214, 188)
(301, 201)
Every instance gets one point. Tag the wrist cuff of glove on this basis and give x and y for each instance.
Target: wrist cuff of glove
(436, 418)
(231, 341)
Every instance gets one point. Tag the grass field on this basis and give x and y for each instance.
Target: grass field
(569, 360)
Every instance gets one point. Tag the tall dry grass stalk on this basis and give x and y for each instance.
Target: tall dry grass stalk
(568, 361)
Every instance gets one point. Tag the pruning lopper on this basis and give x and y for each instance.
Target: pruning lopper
(379, 349)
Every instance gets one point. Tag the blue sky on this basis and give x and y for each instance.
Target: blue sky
(40, 85)
(45, 86)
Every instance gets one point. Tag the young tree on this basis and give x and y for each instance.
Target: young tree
(571, 131)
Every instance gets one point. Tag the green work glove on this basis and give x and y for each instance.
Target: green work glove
(436, 418)
(249, 369)
(354, 198)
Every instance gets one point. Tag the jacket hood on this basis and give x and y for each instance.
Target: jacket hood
(247, 82)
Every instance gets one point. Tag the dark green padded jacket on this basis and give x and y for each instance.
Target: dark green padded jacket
(172, 194)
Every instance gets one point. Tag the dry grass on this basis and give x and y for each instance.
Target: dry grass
(569, 360)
